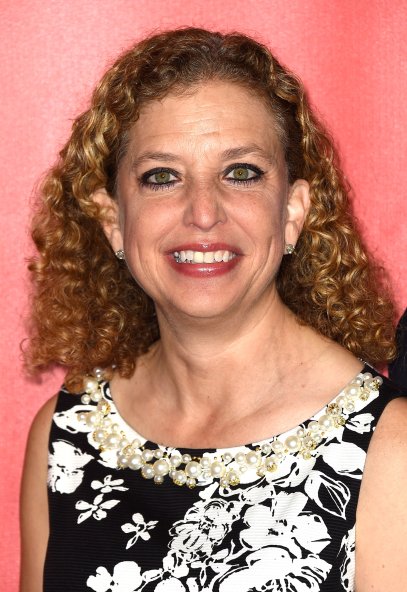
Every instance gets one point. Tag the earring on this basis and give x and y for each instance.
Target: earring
(120, 254)
(289, 249)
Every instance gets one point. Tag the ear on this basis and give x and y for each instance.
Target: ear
(297, 209)
(109, 218)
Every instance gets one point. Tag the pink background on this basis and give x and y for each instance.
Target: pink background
(351, 54)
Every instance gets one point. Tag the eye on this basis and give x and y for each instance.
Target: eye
(160, 178)
(243, 173)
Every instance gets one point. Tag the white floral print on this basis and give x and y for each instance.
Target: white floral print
(329, 494)
(285, 542)
(346, 458)
(361, 423)
(97, 509)
(109, 485)
(68, 420)
(276, 532)
(204, 527)
(65, 467)
(140, 527)
(284, 524)
(274, 570)
(126, 577)
(292, 471)
(348, 564)
(170, 585)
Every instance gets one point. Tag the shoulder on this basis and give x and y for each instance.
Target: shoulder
(43, 418)
(38, 436)
(59, 409)
(381, 527)
(37, 442)
(387, 454)
(388, 447)
(393, 421)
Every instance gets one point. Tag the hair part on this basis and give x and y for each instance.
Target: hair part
(87, 309)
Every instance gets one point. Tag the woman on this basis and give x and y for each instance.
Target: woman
(201, 279)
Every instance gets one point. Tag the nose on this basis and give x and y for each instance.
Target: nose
(204, 207)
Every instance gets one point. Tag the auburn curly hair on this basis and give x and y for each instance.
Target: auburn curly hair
(87, 309)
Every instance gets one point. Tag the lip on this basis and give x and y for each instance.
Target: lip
(204, 270)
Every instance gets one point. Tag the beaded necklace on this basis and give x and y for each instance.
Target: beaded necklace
(226, 467)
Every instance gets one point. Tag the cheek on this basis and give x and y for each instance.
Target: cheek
(134, 223)
(265, 219)
(144, 229)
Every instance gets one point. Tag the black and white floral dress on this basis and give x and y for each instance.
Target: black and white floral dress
(276, 515)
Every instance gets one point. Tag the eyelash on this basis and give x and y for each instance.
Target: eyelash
(144, 182)
(244, 165)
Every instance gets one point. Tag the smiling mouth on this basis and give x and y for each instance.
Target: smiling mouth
(199, 257)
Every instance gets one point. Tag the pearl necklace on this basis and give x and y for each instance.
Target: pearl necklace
(226, 467)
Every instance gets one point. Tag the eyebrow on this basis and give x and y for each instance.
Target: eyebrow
(239, 151)
(154, 156)
(228, 154)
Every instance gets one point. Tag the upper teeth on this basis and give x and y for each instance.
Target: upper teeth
(203, 257)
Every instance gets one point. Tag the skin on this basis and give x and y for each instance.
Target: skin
(232, 365)
(204, 206)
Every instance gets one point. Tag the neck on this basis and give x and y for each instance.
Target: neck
(204, 367)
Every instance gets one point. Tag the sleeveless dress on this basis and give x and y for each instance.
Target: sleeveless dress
(276, 515)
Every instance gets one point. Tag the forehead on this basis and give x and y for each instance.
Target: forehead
(213, 113)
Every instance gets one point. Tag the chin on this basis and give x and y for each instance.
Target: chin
(200, 308)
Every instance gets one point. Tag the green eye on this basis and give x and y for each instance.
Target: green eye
(241, 173)
(159, 178)
(162, 177)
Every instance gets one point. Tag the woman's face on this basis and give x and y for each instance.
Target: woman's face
(204, 205)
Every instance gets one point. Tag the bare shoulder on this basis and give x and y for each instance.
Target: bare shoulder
(41, 424)
(34, 502)
(37, 442)
(381, 525)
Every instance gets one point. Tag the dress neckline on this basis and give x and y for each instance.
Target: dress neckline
(132, 433)
(121, 445)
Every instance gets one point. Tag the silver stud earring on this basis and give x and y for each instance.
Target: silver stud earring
(120, 254)
(289, 249)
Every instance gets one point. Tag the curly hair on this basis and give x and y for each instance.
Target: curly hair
(87, 309)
